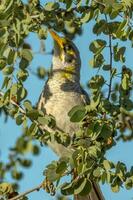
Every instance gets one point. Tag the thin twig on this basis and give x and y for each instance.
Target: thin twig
(15, 104)
(27, 192)
(42, 128)
(111, 61)
(130, 22)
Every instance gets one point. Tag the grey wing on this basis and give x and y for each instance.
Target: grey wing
(44, 97)
(57, 148)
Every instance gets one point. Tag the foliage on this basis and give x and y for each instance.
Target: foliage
(102, 123)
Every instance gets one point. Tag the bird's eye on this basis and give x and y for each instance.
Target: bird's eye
(67, 47)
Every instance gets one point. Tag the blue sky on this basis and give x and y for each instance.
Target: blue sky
(9, 131)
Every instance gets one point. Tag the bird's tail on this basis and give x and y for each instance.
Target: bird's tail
(95, 194)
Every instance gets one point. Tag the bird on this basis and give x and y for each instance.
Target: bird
(62, 92)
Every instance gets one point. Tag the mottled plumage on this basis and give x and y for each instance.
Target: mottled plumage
(62, 92)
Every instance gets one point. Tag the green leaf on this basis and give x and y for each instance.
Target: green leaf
(8, 6)
(127, 3)
(100, 27)
(97, 61)
(2, 63)
(22, 75)
(8, 70)
(74, 159)
(114, 14)
(103, 177)
(26, 54)
(43, 120)
(78, 3)
(23, 63)
(84, 143)
(2, 32)
(94, 130)
(129, 184)
(96, 82)
(77, 113)
(106, 131)
(1, 102)
(42, 33)
(47, 120)
(97, 46)
(41, 72)
(32, 114)
(18, 91)
(121, 27)
(117, 6)
(27, 104)
(11, 57)
(50, 172)
(125, 81)
(97, 172)
(94, 151)
(87, 16)
(82, 187)
(33, 129)
(121, 167)
(127, 104)
(16, 175)
(115, 188)
(61, 167)
(106, 67)
(6, 188)
(106, 165)
(19, 119)
(95, 102)
(119, 53)
(109, 177)
(96, 127)
(35, 150)
(68, 4)
(131, 35)
(67, 189)
(25, 163)
(51, 6)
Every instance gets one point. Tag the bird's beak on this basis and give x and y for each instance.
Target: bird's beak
(57, 38)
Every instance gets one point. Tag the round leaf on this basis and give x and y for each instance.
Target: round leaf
(77, 113)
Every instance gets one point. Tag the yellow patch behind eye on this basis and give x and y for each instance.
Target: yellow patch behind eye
(70, 68)
(67, 76)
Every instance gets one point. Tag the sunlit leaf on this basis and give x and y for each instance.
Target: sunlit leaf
(6, 188)
(77, 113)
(27, 54)
(2, 63)
(87, 16)
(8, 70)
(67, 189)
(51, 6)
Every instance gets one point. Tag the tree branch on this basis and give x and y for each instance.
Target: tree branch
(22, 111)
(14, 103)
(111, 61)
(27, 192)
(130, 22)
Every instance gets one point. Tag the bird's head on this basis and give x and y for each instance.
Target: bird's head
(66, 57)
